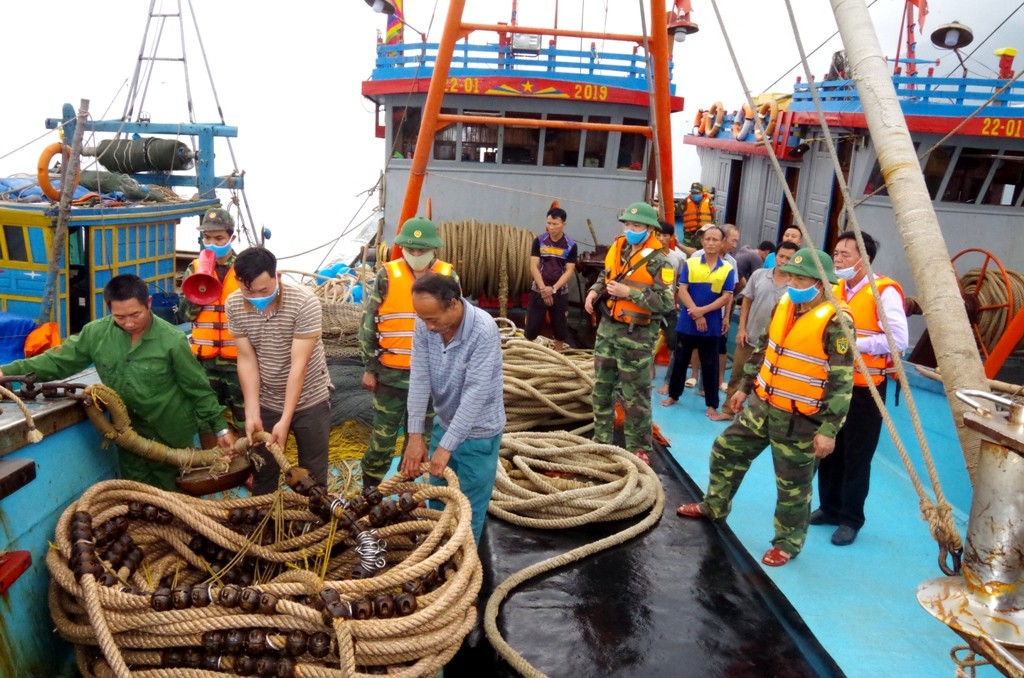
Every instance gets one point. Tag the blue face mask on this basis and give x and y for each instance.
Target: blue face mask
(220, 251)
(697, 197)
(261, 303)
(635, 237)
(798, 296)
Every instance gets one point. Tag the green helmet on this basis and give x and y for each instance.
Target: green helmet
(217, 220)
(641, 213)
(419, 234)
(803, 264)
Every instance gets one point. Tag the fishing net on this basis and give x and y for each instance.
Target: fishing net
(144, 155)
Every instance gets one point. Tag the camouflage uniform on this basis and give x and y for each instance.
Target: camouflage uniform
(623, 358)
(791, 437)
(389, 401)
(222, 372)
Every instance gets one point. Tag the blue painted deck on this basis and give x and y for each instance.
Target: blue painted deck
(860, 600)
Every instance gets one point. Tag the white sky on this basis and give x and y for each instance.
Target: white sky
(288, 76)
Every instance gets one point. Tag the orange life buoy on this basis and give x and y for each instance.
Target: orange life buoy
(43, 169)
(715, 114)
(741, 123)
(698, 122)
(768, 112)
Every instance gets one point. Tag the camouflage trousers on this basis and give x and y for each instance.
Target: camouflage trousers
(223, 377)
(760, 425)
(622, 363)
(390, 413)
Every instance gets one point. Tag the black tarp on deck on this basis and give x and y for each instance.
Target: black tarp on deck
(684, 599)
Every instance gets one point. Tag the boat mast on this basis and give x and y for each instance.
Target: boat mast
(925, 248)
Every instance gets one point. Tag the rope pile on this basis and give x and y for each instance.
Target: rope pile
(491, 259)
(991, 291)
(300, 583)
(342, 313)
(560, 481)
(543, 387)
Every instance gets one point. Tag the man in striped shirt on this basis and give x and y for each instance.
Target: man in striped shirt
(281, 364)
(456, 360)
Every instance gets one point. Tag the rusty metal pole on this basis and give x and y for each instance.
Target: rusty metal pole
(662, 105)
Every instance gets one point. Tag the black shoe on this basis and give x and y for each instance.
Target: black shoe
(819, 517)
(844, 535)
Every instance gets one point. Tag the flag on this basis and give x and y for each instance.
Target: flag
(922, 12)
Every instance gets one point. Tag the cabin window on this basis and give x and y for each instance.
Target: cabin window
(520, 144)
(632, 147)
(405, 127)
(596, 143)
(562, 146)
(935, 166)
(480, 141)
(15, 246)
(446, 139)
(967, 179)
(1007, 179)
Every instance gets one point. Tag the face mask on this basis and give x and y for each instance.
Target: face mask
(846, 273)
(798, 296)
(220, 251)
(261, 303)
(697, 197)
(418, 262)
(635, 237)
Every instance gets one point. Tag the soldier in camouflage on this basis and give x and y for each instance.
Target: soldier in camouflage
(801, 375)
(385, 341)
(632, 293)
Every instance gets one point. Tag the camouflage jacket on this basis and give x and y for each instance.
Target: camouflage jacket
(658, 298)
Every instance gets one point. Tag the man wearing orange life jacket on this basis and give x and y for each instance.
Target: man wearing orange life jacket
(385, 341)
(211, 342)
(801, 376)
(844, 477)
(698, 209)
(631, 294)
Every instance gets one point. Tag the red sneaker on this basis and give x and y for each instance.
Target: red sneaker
(690, 511)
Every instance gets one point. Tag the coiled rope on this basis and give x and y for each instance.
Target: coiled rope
(303, 584)
(593, 483)
(491, 259)
(546, 388)
(993, 301)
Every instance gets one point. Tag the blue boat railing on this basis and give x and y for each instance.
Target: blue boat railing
(616, 69)
(921, 95)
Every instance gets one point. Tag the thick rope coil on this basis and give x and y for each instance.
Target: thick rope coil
(605, 483)
(32, 434)
(171, 585)
(992, 293)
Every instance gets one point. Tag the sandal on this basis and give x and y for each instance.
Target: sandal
(690, 511)
(642, 456)
(776, 557)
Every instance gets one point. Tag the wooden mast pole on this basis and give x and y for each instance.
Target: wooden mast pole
(925, 248)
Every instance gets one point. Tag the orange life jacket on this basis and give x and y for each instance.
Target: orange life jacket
(636, 276)
(795, 368)
(210, 337)
(396, 318)
(696, 214)
(865, 322)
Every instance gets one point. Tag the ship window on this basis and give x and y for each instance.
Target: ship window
(521, 144)
(1007, 180)
(968, 176)
(15, 246)
(446, 138)
(562, 146)
(632, 147)
(480, 141)
(935, 166)
(405, 127)
(596, 143)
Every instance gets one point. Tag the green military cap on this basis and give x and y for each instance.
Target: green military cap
(217, 220)
(419, 234)
(641, 213)
(696, 187)
(803, 264)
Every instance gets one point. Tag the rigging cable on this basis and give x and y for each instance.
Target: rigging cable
(987, 37)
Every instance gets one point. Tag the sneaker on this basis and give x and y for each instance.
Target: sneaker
(691, 382)
(844, 535)
(642, 456)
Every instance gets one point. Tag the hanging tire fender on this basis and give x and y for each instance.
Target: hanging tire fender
(43, 168)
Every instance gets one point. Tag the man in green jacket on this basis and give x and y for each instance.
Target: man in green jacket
(148, 362)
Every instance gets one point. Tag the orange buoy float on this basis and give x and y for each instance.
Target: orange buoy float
(43, 169)
(713, 119)
(742, 122)
(768, 112)
(698, 122)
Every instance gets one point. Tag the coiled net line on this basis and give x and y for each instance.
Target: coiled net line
(304, 583)
(559, 481)
(543, 387)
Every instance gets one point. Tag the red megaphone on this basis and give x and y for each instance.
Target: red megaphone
(202, 287)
